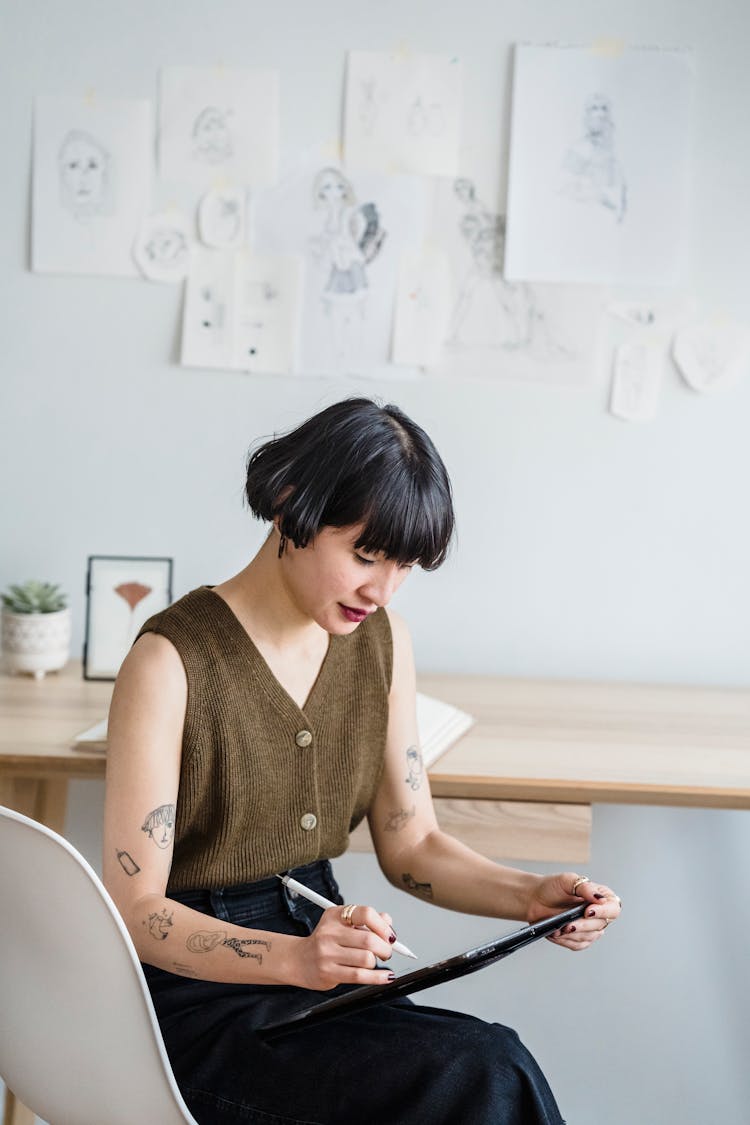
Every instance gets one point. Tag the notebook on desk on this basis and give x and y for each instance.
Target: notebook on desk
(440, 725)
(438, 973)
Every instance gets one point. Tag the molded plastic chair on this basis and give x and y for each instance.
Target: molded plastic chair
(79, 1040)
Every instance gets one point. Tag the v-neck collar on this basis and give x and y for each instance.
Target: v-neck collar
(260, 667)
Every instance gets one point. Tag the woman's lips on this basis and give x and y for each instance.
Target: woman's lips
(352, 614)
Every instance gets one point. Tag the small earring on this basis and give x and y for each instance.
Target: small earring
(282, 545)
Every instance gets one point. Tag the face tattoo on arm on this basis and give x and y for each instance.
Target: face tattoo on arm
(416, 767)
(159, 825)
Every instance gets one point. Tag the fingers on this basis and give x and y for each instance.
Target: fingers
(604, 909)
(365, 918)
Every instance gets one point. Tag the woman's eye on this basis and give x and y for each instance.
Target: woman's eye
(363, 560)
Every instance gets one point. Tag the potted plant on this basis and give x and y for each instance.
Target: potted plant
(35, 628)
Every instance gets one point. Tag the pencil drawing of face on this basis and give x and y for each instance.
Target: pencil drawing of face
(331, 189)
(597, 120)
(223, 220)
(84, 168)
(211, 136)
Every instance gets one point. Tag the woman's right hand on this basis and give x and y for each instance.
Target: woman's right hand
(341, 952)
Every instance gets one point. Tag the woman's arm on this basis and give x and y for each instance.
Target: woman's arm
(143, 768)
(417, 856)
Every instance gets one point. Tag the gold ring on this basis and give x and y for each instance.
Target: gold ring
(606, 922)
(346, 914)
(579, 880)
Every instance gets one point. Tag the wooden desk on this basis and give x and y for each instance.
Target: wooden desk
(519, 784)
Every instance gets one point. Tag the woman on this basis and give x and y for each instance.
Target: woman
(253, 725)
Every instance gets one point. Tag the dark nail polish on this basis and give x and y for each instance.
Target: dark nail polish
(591, 914)
(571, 929)
(391, 937)
(391, 977)
(598, 896)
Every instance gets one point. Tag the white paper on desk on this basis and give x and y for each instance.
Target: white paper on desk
(241, 311)
(96, 734)
(440, 725)
(351, 233)
(500, 329)
(402, 113)
(218, 126)
(92, 183)
(599, 165)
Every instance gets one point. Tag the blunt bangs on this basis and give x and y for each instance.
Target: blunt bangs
(357, 463)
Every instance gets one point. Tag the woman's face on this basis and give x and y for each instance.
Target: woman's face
(332, 189)
(82, 167)
(337, 585)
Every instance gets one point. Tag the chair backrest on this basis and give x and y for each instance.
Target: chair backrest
(79, 1040)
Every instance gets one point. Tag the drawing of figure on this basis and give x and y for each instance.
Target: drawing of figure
(425, 118)
(212, 136)
(592, 172)
(350, 240)
(522, 323)
(84, 166)
(167, 248)
(222, 218)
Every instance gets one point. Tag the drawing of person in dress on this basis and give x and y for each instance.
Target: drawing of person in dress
(592, 172)
(350, 240)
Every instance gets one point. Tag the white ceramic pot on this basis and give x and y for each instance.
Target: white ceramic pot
(36, 642)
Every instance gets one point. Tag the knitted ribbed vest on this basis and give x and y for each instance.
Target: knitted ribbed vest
(266, 785)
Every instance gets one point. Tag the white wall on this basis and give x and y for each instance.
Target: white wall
(587, 547)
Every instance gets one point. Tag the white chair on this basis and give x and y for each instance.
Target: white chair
(79, 1040)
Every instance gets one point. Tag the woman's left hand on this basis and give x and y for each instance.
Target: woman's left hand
(556, 893)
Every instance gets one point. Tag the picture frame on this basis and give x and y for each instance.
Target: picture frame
(122, 592)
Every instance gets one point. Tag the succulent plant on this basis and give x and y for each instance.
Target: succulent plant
(34, 597)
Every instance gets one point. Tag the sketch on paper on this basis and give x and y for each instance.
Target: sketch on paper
(636, 382)
(351, 232)
(217, 124)
(520, 321)
(497, 328)
(402, 113)
(221, 218)
(162, 247)
(91, 185)
(86, 171)
(241, 312)
(422, 307)
(713, 354)
(599, 165)
(350, 238)
(592, 173)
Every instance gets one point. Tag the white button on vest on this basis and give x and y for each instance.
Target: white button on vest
(303, 738)
(308, 821)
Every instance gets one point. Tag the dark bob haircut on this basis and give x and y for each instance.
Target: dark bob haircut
(357, 463)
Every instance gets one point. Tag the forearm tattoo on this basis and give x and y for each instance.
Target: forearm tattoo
(204, 941)
(419, 888)
(159, 825)
(399, 818)
(416, 768)
(159, 925)
(127, 863)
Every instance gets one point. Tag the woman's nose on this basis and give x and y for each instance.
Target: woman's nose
(381, 587)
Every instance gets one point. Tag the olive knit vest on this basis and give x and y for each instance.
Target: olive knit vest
(264, 784)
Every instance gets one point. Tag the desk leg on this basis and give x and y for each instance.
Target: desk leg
(15, 1112)
(43, 799)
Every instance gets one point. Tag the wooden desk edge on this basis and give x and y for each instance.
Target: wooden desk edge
(560, 791)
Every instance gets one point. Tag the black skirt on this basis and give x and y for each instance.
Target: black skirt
(398, 1063)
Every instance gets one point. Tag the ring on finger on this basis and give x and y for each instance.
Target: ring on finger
(606, 922)
(579, 880)
(346, 914)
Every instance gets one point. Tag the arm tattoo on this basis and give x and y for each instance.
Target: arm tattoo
(416, 767)
(204, 941)
(183, 970)
(398, 819)
(237, 943)
(159, 825)
(127, 863)
(159, 924)
(420, 888)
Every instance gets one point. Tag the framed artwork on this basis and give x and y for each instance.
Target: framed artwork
(121, 594)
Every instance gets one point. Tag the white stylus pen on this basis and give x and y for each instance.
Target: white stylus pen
(313, 896)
